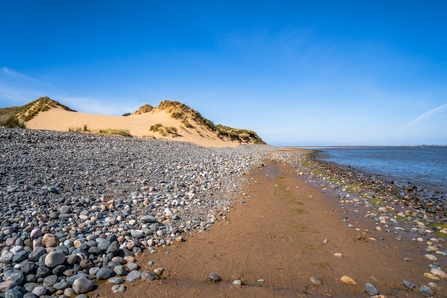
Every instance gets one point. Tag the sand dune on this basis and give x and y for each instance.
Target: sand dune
(59, 119)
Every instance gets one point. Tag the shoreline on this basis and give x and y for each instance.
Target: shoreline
(401, 181)
(285, 230)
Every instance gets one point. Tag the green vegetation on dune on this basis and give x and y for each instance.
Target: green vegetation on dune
(185, 114)
(8, 117)
(42, 104)
(235, 134)
(143, 109)
(108, 131)
(11, 121)
(164, 130)
(17, 116)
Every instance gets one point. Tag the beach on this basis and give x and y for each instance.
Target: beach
(100, 216)
(281, 232)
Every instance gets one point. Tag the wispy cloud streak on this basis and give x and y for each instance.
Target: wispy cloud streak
(427, 115)
(21, 76)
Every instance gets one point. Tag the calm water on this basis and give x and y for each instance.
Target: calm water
(424, 166)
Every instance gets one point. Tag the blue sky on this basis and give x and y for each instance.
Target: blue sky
(296, 72)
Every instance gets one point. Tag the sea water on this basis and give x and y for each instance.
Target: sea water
(423, 166)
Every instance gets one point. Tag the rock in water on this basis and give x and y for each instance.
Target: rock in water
(371, 290)
(214, 277)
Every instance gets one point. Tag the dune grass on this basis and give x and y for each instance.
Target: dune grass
(164, 130)
(107, 132)
(11, 121)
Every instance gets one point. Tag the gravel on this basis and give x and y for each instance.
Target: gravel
(72, 202)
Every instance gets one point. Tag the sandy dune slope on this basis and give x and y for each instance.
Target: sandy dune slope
(138, 125)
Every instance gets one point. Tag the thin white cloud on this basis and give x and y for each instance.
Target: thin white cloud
(21, 76)
(92, 105)
(427, 115)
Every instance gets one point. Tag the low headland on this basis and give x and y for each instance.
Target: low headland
(94, 215)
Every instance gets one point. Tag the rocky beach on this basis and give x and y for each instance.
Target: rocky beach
(81, 206)
(99, 216)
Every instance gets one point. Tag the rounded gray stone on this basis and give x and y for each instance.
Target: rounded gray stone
(408, 285)
(116, 280)
(105, 273)
(39, 291)
(371, 290)
(148, 219)
(54, 259)
(426, 291)
(13, 293)
(148, 275)
(37, 253)
(133, 266)
(316, 280)
(82, 285)
(214, 277)
(119, 289)
(133, 275)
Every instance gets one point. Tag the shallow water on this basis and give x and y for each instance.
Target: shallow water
(423, 166)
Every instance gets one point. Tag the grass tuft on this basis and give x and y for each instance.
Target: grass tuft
(108, 131)
(164, 130)
(11, 121)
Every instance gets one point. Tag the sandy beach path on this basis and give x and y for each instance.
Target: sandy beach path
(276, 231)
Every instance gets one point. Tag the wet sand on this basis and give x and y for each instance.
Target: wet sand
(276, 231)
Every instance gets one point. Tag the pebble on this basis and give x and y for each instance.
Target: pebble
(431, 276)
(39, 291)
(116, 280)
(133, 275)
(105, 273)
(316, 280)
(133, 266)
(408, 285)
(119, 289)
(158, 271)
(431, 257)
(237, 282)
(437, 271)
(338, 255)
(148, 276)
(82, 285)
(54, 259)
(426, 291)
(433, 286)
(347, 280)
(371, 290)
(214, 277)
